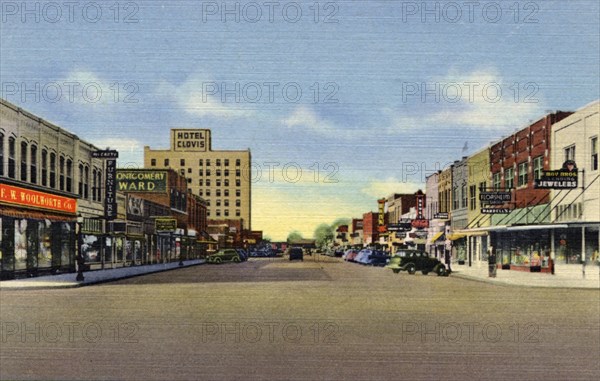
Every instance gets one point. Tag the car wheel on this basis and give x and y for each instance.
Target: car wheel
(441, 271)
(236, 259)
(424, 272)
(217, 260)
(411, 268)
(396, 271)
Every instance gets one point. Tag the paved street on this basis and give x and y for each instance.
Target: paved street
(321, 319)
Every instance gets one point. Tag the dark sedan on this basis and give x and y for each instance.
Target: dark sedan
(412, 261)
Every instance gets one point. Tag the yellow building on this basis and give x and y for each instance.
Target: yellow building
(222, 178)
(478, 180)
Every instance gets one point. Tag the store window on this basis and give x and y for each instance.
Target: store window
(23, 161)
(594, 153)
(522, 174)
(33, 164)
(509, 178)
(538, 167)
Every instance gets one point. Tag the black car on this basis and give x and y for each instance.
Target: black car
(378, 258)
(416, 260)
(296, 253)
(243, 254)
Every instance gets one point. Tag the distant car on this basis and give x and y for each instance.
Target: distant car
(378, 258)
(296, 253)
(416, 260)
(363, 256)
(224, 255)
(349, 253)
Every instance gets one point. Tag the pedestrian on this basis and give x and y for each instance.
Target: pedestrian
(491, 262)
(448, 259)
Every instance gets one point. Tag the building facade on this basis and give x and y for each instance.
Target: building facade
(576, 212)
(222, 178)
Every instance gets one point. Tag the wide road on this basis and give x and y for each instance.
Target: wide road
(321, 319)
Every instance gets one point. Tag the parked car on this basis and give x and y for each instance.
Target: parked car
(348, 253)
(243, 254)
(296, 253)
(378, 258)
(416, 260)
(363, 256)
(224, 255)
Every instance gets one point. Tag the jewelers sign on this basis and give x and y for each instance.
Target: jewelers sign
(564, 178)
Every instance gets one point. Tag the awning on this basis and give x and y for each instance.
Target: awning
(455, 236)
(536, 227)
(473, 233)
(437, 237)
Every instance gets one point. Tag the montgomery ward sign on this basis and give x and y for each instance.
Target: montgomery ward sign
(133, 180)
(27, 197)
(190, 140)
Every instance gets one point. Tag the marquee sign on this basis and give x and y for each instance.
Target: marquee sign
(135, 180)
(196, 140)
(31, 198)
(165, 224)
(564, 178)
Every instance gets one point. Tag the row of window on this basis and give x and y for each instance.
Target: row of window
(47, 173)
(218, 182)
(522, 174)
(218, 192)
(201, 162)
(225, 202)
(238, 213)
(208, 172)
(569, 212)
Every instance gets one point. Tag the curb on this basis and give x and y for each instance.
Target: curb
(100, 281)
(502, 282)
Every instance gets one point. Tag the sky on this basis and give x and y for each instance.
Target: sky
(340, 102)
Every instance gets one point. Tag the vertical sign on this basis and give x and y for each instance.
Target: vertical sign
(110, 197)
(420, 206)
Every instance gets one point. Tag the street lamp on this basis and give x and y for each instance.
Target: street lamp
(79, 257)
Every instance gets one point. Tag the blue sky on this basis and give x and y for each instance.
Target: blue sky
(363, 69)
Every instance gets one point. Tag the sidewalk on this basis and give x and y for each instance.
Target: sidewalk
(91, 277)
(566, 276)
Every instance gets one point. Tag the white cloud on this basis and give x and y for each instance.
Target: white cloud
(306, 118)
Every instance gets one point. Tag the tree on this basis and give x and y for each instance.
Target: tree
(323, 234)
(294, 236)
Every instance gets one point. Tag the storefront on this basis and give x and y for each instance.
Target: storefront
(37, 232)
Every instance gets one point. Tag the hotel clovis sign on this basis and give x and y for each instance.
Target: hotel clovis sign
(564, 178)
(30, 198)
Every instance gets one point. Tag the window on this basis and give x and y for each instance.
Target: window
(189, 170)
(207, 201)
(238, 183)
(80, 180)
(226, 202)
(70, 176)
(455, 198)
(207, 182)
(208, 162)
(594, 153)
(86, 182)
(482, 186)
(226, 162)
(166, 162)
(509, 178)
(218, 162)
(1, 154)
(237, 213)
(227, 172)
(153, 162)
(538, 166)
(44, 168)
(218, 172)
(200, 172)
(238, 162)
(11, 158)
(496, 181)
(201, 182)
(218, 212)
(522, 174)
(218, 192)
(570, 153)
(472, 197)
(226, 192)
(61, 173)
(52, 170)
(23, 161)
(200, 193)
(226, 211)
(182, 162)
(208, 213)
(218, 182)
(33, 164)
(238, 193)
(218, 202)
(99, 194)
(189, 181)
(226, 182)
(463, 194)
(237, 172)
(94, 184)
(208, 172)
(238, 203)
(200, 162)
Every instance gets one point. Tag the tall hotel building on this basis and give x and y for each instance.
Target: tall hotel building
(222, 178)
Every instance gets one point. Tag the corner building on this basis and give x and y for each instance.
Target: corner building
(222, 178)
